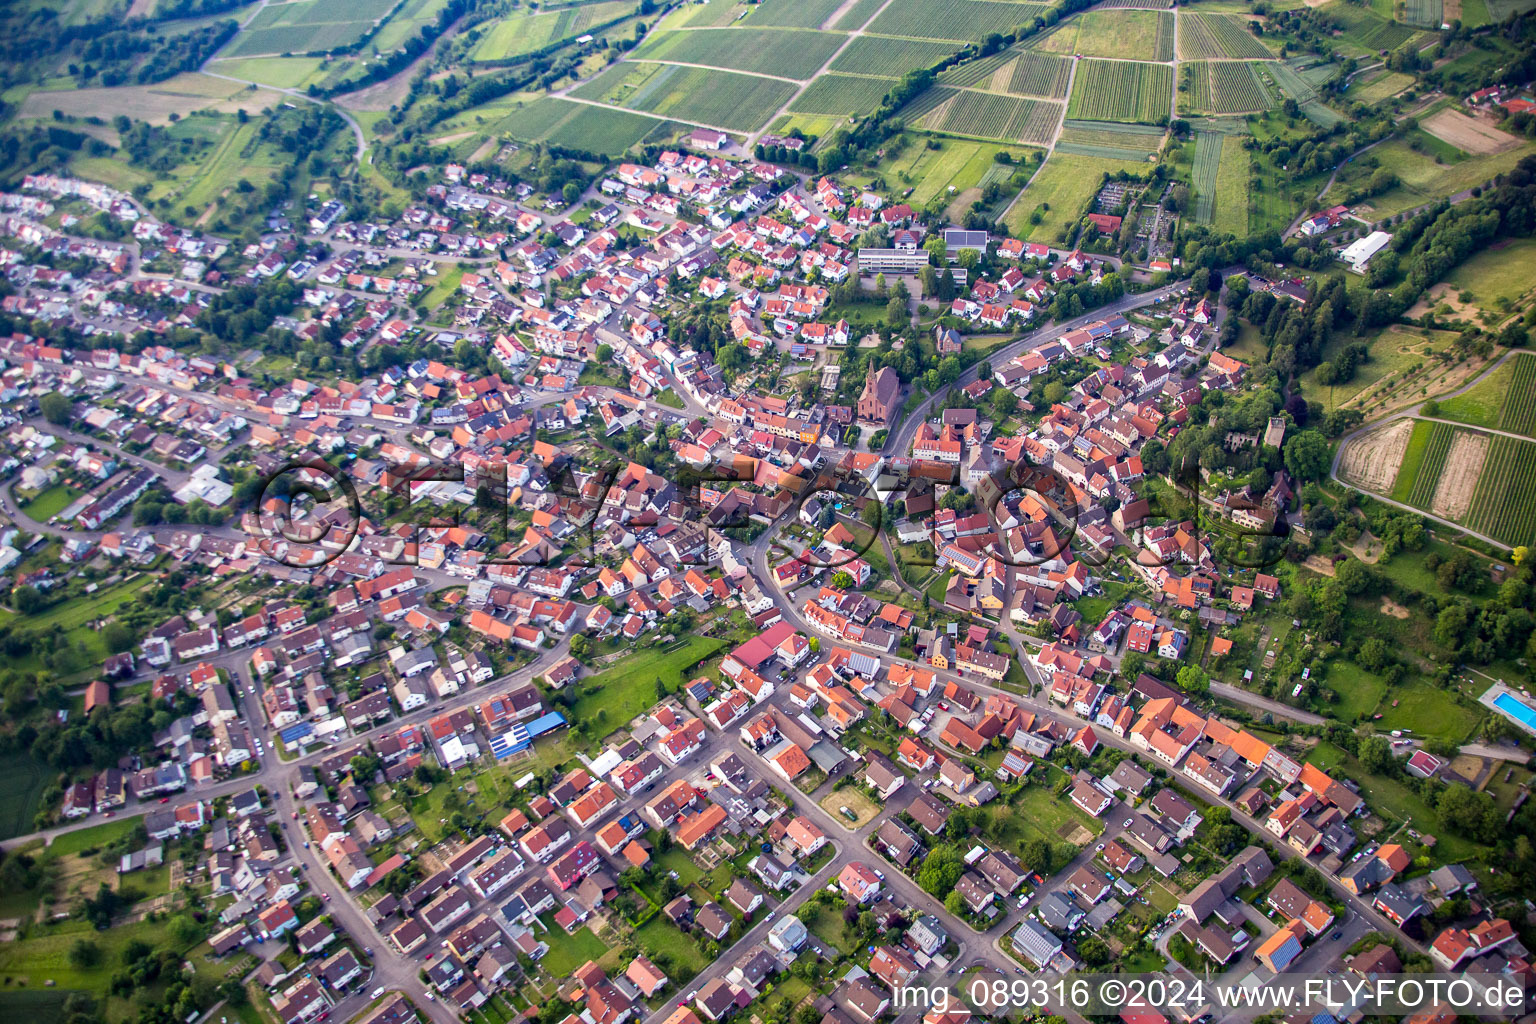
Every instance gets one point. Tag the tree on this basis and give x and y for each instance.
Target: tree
(56, 408)
(1451, 627)
(27, 599)
(1004, 402)
(842, 580)
(1307, 456)
(117, 637)
(896, 313)
(941, 870)
(955, 903)
(1192, 679)
(185, 930)
(1375, 754)
(84, 954)
(871, 513)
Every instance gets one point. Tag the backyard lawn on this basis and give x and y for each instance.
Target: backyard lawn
(1043, 814)
(568, 952)
(659, 936)
(628, 686)
(1392, 799)
(1427, 711)
(50, 502)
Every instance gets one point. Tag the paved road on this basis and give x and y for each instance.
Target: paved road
(1238, 695)
(1044, 708)
(899, 440)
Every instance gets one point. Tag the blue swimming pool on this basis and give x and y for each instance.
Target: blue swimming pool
(1517, 709)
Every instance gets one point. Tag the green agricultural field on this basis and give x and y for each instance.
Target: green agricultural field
(1499, 10)
(720, 99)
(1038, 74)
(307, 26)
(1228, 87)
(616, 83)
(1120, 90)
(1413, 458)
(25, 779)
(1504, 502)
(1425, 181)
(961, 20)
(602, 130)
(957, 165)
(1207, 36)
(524, 30)
(628, 686)
(1208, 147)
(1517, 413)
(1300, 83)
(1232, 189)
(986, 115)
(1376, 86)
(406, 23)
(1107, 139)
(578, 125)
(282, 72)
(787, 53)
(1366, 30)
(810, 125)
(1424, 13)
(711, 15)
(1119, 34)
(889, 58)
(1428, 474)
(1499, 277)
(1481, 404)
(842, 94)
(858, 15)
(792, 13)
(1060, 192)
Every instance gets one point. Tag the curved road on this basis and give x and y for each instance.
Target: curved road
(900, 437)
